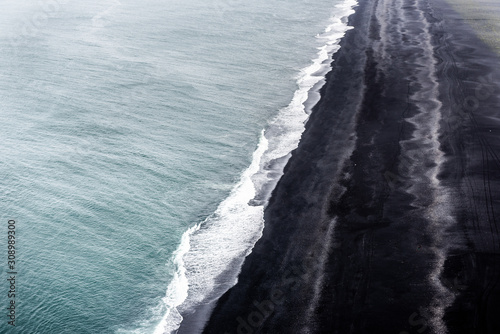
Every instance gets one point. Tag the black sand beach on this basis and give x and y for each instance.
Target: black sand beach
(387, 217)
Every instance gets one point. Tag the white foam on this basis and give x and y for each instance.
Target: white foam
(177, 291)
(226, 235)
(285, 130)
(211, 253)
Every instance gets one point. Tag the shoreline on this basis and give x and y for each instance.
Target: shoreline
(385, 219)
(277, 141)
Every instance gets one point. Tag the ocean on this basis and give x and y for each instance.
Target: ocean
(140, 143)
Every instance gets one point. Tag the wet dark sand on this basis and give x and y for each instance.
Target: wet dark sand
(386, 219)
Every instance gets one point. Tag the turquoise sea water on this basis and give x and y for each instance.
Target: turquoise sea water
(127, 123)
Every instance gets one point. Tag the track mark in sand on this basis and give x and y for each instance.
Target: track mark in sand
(465, 113)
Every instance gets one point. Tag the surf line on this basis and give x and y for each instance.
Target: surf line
(423, 150)
(197, 269)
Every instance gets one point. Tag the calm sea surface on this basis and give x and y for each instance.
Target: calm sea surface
(132, 141)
